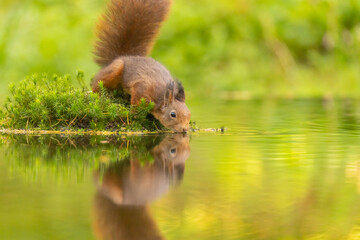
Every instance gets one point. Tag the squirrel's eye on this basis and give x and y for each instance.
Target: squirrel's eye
(173, 150)
(173, 114)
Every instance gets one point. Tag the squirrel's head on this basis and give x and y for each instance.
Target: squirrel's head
(173, 112)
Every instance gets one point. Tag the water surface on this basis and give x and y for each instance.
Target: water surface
(282, 170)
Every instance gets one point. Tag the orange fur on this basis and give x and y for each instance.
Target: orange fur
(129, 28)
(126, 34)
(110, 75)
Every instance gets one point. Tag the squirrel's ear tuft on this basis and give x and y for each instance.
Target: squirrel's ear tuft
(110, 76)
(169, 95)
(181, 92)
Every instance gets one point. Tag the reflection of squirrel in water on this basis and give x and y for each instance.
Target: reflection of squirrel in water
(121, 202)
(126, 34)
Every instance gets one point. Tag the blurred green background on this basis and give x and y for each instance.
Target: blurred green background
(233, 49)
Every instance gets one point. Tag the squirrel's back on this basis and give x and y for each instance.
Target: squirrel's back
(129, 28)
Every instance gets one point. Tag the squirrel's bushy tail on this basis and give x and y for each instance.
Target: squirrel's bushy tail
(129, 28)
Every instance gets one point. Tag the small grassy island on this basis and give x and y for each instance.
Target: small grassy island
(55, 104)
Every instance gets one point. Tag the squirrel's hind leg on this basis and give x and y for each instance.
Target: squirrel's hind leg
(110, 76)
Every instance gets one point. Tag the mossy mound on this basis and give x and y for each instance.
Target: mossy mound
(53, 103)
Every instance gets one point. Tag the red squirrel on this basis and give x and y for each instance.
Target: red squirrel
(125, 36)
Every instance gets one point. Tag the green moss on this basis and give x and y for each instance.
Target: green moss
(53, 103)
